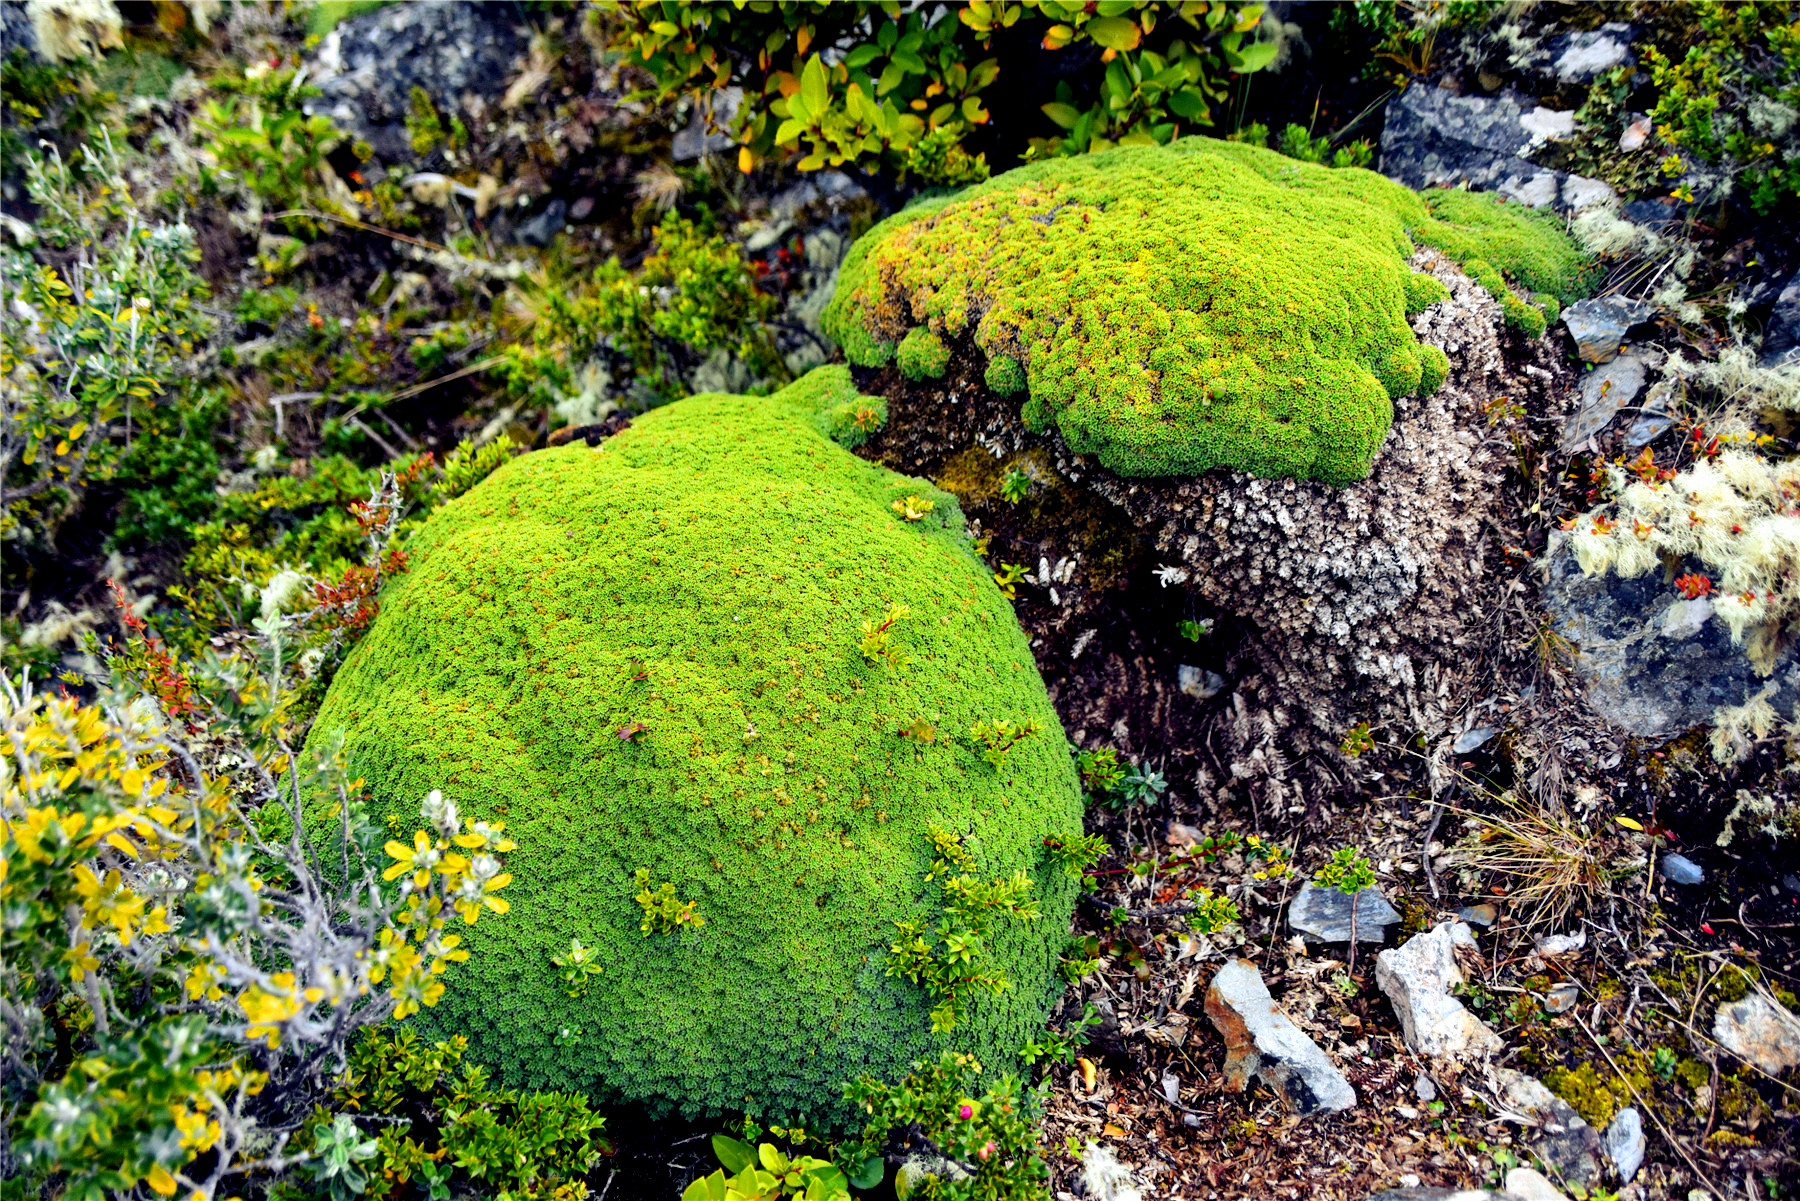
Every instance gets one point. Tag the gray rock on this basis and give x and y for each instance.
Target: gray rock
(542, 229)
(1417, 978)
(1781, 337)
(1202, 684)
(1562, 998)
(1599, 326)
(703, 136)
(1579, 57)
(1323, 915)
(1529, 1184)
(1433, 137)
(1468, 740)
(1679, 869)
(1563, 1140)
(1424, 1089)
(1653, 421)
(16, 32)
(1441, 1194)
(1261, 1041)
(1552, 945)
(1479, 915)
(463, 55)
(1760, 1032)
(1604, 392)
(1654, 664)
(1625, 1143)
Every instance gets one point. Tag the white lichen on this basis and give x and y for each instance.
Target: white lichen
(72, 29)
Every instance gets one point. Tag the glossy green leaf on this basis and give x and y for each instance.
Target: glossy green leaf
(813, 87)
(1065, 115)
(1253, 57)
(1115, 33)
(862, 56)
(735, 1154)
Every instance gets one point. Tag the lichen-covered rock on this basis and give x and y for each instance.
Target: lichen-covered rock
(647, 655)
(1260, 1040)
(1190, 306)
(1418, 977)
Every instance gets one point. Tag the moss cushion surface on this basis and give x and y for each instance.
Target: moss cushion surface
(1182, 307)
(705, 574)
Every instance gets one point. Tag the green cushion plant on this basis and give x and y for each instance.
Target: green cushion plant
(1182, 307)
(652, 657)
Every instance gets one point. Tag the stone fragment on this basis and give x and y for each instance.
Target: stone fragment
(1636, 133)
(1552, 945)
(1679, 869)
(1479, 915)
(1433, 137)
(1625, 1143)
(1781, 336)
(1604, 392)
(1653, 421)
(1199, 683)
(542, 229)
(1469, 740)
(1563, 1140)
(1323, 915)
(1599, 326)
(1424, 1089)
(1652, 662)
(1417, 977)
(463, 56)
(1528, 1184)
(1261, 1041)
(1562, 998)
(1579, 57)
(1761, 1032)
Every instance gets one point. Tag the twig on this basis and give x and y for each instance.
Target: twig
(1437, 815)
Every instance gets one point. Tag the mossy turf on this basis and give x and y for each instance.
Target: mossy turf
(705, 574)
(1188, 306)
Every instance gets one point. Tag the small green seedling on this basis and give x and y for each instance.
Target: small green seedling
(1348, 873)
(663, 913)
(1015, 486)
(577, 965)
(1000, 736)
(878, 637)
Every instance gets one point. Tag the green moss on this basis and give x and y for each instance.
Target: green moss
(705, 574)
(1423, 291)
(1522, 316)
(1434, 369)
(842, 413)
(1595, 1097)
(1528, 244)
(1004, 375)
(1181, 307)
(923, 355)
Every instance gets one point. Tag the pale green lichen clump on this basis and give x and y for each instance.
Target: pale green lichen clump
(1189, 306)
(647, 656)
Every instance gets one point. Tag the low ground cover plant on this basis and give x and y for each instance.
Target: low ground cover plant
(702, 577)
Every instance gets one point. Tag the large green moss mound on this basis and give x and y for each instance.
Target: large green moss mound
(705, 575)
(1183, 307)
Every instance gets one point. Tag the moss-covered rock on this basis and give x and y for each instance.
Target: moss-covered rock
(1188, 306)
(648, 655)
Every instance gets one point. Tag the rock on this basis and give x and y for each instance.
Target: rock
(542, 229)
(1261, 1041)
(1599, 326)
(1562, 998)
(1552, 945)
(1199, 683)
(1679, 869)
(1625, 1142)
(708, 133)
(1417, 977)
(1654, 664)
(1468, 740)
(1433, 137)
(1528, 1184)
(1424, 1089)
(1604, 392)
(1323, 914)
(1412, 1192)
(1564, 1141)
(1653, 421)
(1637, 132)
(1579, 57)
(1760, 1032)
(462, 55)
(1781, 336)
(1479, 915)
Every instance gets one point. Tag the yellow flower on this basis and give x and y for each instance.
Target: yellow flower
(419, 858)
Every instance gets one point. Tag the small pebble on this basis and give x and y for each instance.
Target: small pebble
(1679, 869)
(1407, 1112)
(1562, 998)
(1190, 1119)
(1424, 1089)
(1479, 915)
(1409, 1181)
(1468, 740)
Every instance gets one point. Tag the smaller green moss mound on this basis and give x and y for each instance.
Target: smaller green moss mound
(1423, 291)
(1521, 315)
(923, 355)
(1529, 244)
(843, 414)
(1004, 375)
(1434, 369)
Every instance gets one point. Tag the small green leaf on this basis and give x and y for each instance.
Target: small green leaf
(862, 56)
(1253, 57)
(1115, 33)
(1189, 103)
(733, 1153)
(1065, 115)
(789, 131)
(813, 87)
